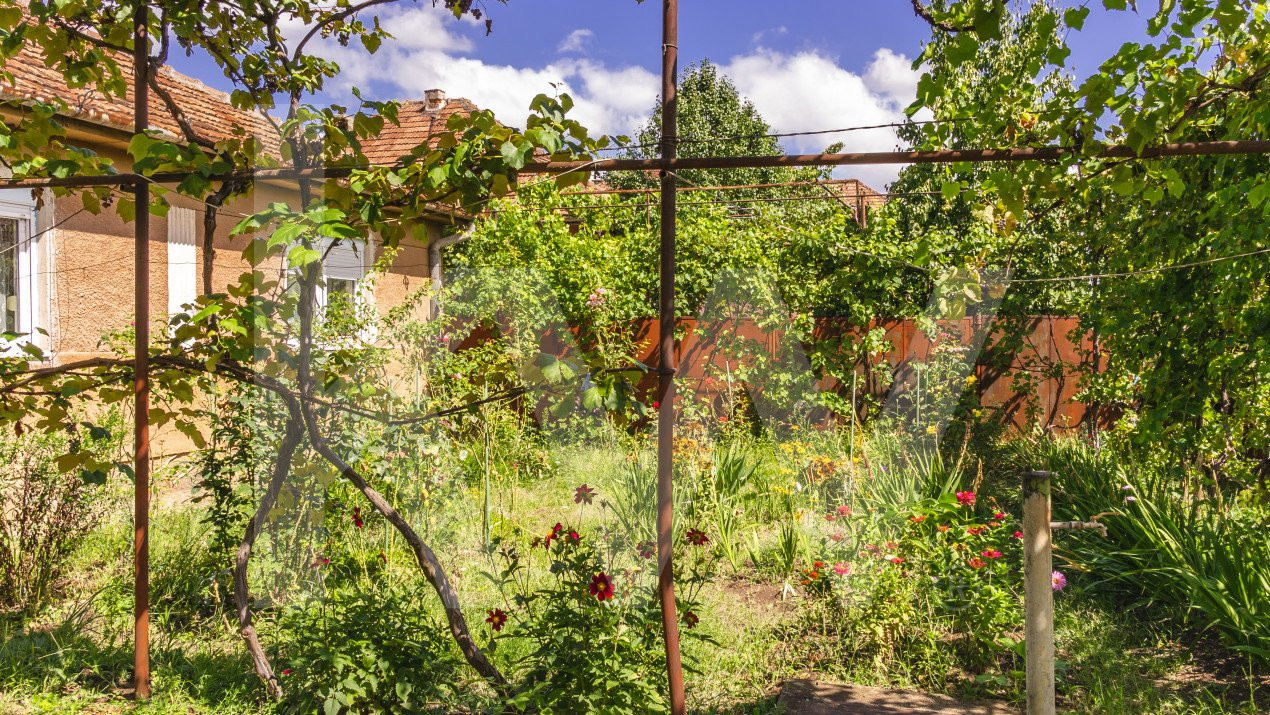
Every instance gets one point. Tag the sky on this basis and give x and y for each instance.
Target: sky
(805, 66)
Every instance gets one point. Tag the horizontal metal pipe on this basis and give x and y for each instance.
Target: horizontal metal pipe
(943, 156)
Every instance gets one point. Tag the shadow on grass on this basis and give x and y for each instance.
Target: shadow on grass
(71, 660)
(1113, 661)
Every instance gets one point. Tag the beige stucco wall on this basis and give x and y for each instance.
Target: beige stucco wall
(92, 275)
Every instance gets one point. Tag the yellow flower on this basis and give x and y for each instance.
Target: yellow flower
(970, 380)
(930, 430)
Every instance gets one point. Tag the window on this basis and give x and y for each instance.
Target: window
(19, 284)
(343, 268)
(10, 242)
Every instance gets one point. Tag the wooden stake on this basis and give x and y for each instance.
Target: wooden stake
(1038, 599)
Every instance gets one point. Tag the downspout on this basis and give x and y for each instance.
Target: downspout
(437, 268)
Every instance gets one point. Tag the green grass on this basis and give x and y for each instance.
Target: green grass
(75, 656)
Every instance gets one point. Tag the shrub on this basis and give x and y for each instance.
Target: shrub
(923, 587)
(592, 634)
(44, 511)
(1202, 558)
(363, 651)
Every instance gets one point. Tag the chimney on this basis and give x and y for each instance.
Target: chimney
(434, 99)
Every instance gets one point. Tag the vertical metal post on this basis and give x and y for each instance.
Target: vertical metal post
(141, 385)
(667, 365)
(1038, 597)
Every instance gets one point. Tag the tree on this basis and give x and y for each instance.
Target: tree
(1178, 245)
(256, 334)
(714, 120)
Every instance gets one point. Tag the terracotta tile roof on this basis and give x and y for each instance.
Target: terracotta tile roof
(208, 110)
(415, 123)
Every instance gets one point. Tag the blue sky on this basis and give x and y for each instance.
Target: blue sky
(806, 66)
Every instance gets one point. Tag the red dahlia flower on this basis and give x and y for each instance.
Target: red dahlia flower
(602, 586)
(647, 549)
(496, 619)
(696, 537)
(357, 517)
(690, 619)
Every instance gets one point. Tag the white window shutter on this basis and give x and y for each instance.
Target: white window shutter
(182, 259)
(345, 261)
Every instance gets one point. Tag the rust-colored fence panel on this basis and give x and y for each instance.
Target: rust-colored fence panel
(1032, 380)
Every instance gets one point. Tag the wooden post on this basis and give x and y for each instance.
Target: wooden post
(141, 368)
(667, 365)
(1038, 599)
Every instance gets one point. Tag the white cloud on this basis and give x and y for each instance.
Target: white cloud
(810, 91)
(576, 41)
(801, 91)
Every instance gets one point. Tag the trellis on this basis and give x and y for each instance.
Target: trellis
(1040, 685)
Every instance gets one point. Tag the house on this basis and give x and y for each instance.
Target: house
(69, 272)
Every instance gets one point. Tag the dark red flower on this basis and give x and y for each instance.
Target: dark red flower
(690, 619)
(1017, 534)
(696, 537)
(583, 495)
(574, 537)
(321, 561)
(554, 533)
(357, 517)
(383, 557)
(496, 619)
(656, 405)
(602, 586)
(897, 560)
(286, 671)
(999, 516)
(647, 549)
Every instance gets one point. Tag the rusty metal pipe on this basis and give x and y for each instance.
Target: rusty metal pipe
(141, 374)
(667, 364)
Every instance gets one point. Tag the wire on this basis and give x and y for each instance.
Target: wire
(1144, 271)
(778, 135)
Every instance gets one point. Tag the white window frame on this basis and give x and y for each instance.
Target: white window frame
(364, 294)
(28, 283)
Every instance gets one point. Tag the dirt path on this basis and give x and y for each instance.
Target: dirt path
(808, 697)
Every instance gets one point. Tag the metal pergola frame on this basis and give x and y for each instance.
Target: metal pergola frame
(667, 367)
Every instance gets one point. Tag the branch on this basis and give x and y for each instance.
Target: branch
(178, 114)
(923, 12)
(286, 450)
(428, 563)
(342, 15)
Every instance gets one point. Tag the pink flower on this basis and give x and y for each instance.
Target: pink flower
(999, 516)
(966, 498)
(1058, 581)
(992, 554)
(844, 510)
(1017, 534)
(583, 495)
(831, 516)
(837, 536)
(897, 560)
(842, 568)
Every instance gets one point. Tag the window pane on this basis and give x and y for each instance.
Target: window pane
(9, 274)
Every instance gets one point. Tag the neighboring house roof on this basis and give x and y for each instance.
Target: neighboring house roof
(415, 122)
(208, 110)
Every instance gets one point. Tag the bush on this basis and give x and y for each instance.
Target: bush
(592, 635)
(43, 510)
(1204, 559)
(922, 588)
(359, 651)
